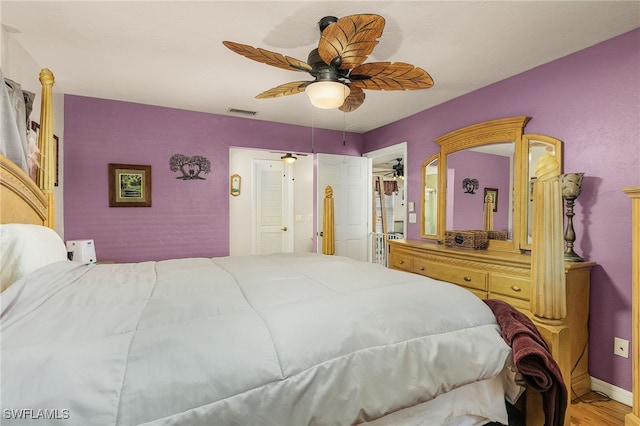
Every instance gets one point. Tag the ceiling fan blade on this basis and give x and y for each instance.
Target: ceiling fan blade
(292, 153)
(286, 89)
(268, 57)
(354, 100)
(390, 76)
(347, 42)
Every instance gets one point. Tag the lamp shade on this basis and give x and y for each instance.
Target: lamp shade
(327, 94)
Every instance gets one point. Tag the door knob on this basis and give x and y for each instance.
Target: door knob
(284, 228)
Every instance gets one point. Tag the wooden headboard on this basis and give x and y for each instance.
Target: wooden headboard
(21, 199)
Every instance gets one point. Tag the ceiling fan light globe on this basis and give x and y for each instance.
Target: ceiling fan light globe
(327, 94)
(288, 158)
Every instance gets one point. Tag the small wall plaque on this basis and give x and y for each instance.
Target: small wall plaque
(234, 185)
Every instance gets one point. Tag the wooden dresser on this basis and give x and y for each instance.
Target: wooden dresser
(506, 276)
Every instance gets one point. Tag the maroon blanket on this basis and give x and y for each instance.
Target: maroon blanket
(532, 358)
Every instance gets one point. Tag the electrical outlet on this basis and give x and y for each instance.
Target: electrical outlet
(621, 347)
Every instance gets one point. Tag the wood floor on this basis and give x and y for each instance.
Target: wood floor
(595, 410)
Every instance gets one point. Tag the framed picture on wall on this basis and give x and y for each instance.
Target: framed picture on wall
(35, 127)
(129, 185)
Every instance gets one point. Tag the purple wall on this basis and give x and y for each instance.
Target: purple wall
(187, 218)
(491, 171)
(591, 101)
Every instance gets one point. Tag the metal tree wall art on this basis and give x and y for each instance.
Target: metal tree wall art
(470, 185)
(190, 167)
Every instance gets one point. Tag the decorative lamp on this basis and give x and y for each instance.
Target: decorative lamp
(289, 158)
(327, 94)
(571, 188)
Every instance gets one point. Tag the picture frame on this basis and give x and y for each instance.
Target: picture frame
(56, 146)
(129, 185)
(234, 184)
(494, 195)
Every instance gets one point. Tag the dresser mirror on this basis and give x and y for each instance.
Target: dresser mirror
(467, 171)
(471, 173)
(537, 146)
(429, 198)
(494, 157)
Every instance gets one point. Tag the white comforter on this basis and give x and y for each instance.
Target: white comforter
(276, 340)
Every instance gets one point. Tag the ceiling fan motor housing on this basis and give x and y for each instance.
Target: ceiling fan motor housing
(326, 21)
(322, 70)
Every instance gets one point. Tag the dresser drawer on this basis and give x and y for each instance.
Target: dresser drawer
(465, 277)
(516, 287)
(401, 260)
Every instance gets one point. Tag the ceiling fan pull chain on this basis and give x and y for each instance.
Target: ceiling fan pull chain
(344, 128)
(312, 151)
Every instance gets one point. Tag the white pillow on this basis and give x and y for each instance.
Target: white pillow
(25, 248)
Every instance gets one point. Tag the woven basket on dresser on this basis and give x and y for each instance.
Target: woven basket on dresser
(497, 235)
(467, 239)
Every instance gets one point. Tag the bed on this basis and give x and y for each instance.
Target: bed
(276, 340)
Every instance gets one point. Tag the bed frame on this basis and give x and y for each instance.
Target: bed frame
(24, 201)
(21, 199)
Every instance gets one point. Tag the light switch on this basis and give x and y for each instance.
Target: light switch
(412, 218)
(412, 206)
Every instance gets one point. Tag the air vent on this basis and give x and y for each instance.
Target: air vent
(242, 112)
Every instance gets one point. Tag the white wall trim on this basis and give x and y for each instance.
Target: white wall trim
(613, 392)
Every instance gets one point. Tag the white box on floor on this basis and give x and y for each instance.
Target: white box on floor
(82, 251)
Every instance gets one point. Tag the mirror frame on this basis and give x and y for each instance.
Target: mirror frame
(423, 184)
(509, 129)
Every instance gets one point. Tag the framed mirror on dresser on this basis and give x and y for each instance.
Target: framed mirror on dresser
(495, 158)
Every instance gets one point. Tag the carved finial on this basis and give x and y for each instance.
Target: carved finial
(547, 168)
(328, 192)
(46, 77)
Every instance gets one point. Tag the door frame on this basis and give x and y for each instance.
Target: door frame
(397, 150)
(240, 206)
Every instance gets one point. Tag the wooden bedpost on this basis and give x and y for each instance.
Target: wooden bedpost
(328, 236)
(47, 170)
(548, 283)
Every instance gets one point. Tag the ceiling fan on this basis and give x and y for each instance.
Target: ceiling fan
(338, 64)
(398, 169)
(394, 170)
(288, 157)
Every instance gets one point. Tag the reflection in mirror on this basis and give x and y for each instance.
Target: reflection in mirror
(537, 146)
(429, 224)
(491, 166)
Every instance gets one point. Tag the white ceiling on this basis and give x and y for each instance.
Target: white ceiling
(170, 53)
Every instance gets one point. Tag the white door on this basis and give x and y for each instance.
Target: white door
(350, 178)
(273, 210)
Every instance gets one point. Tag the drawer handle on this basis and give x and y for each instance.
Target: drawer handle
(515, 288)
(421, 268)
(467, 279)
(401, 262)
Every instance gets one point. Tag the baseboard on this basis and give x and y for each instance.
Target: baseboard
(613, 392)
